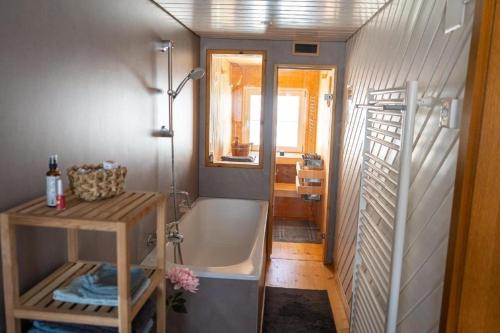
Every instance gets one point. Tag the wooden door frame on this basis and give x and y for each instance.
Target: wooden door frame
(330, 229)
(472, 127)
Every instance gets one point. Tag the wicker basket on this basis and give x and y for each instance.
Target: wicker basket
(91, 182)
(240, 149)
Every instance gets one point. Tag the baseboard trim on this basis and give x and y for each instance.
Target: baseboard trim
(343, 299)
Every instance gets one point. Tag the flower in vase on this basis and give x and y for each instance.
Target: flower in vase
(182, 279)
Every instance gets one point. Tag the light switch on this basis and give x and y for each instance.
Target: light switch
(329, 99)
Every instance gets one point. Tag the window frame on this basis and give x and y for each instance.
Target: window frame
(208, 60)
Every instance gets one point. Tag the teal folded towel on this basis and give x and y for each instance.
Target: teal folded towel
(143, 323)
(46, 327)
(100, 287)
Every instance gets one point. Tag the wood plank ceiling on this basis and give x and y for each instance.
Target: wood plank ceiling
(330, 20)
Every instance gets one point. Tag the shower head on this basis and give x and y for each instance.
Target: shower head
(195, 74)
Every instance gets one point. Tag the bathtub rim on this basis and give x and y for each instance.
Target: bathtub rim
(249, 269)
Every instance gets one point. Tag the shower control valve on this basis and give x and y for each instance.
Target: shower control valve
(175, 237)
(151, 239)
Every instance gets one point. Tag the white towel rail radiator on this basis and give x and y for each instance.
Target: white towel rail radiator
(389, 123)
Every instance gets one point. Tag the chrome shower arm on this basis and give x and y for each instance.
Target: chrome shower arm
(179, 88)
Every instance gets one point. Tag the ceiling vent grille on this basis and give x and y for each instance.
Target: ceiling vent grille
(305, 48)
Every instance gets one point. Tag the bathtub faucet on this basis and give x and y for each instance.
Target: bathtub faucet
(173, 234)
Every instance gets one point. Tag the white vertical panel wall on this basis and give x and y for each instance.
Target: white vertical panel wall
(406, 41)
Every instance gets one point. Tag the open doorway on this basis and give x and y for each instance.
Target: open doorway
(303, 140)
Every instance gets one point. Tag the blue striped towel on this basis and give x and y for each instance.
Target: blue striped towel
(100, 287)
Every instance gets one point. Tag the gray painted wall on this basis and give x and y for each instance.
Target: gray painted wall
(75, 79)
(254, 183)
(406, 41)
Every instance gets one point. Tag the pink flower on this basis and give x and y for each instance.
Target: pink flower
(183, 278)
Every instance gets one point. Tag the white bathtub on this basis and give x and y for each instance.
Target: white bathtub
(224, 244)
(223, 238)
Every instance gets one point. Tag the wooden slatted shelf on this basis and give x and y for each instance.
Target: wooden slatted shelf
(303, 175)
(102, 215)
(309, 173)
(303, 189)
(287, 190)
(117, 215)
(38, 302)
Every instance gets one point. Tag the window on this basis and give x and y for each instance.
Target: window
(291, 120)
(252, 101)
(255, 103)
(234, 108)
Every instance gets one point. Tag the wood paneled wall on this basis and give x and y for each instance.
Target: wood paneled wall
(242, 76)
(406, 41)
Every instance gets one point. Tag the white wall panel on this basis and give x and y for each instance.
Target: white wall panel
(406, 41)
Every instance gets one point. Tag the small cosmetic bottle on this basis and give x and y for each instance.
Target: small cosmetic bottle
(61, 201)
(52, 176)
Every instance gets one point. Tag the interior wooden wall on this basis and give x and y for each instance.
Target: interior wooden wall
(286, 173)
(471, 298)
(242, 76)
(295, 209)
(406, 41)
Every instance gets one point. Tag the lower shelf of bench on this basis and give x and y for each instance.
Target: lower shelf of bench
(37, 303)
(285, 190)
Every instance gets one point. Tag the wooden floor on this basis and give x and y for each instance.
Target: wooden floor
(297, 251)
(299, 265)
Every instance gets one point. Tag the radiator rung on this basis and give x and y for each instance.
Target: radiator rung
(382, 162)
(382, 286)
(381, 261)
(381, 193)
(385, 132)
(372, 200)
(387, 91)
(376, 316)
(377, 174)
(372, 225)
(383, 142)
(385, 122)
(380, 307)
